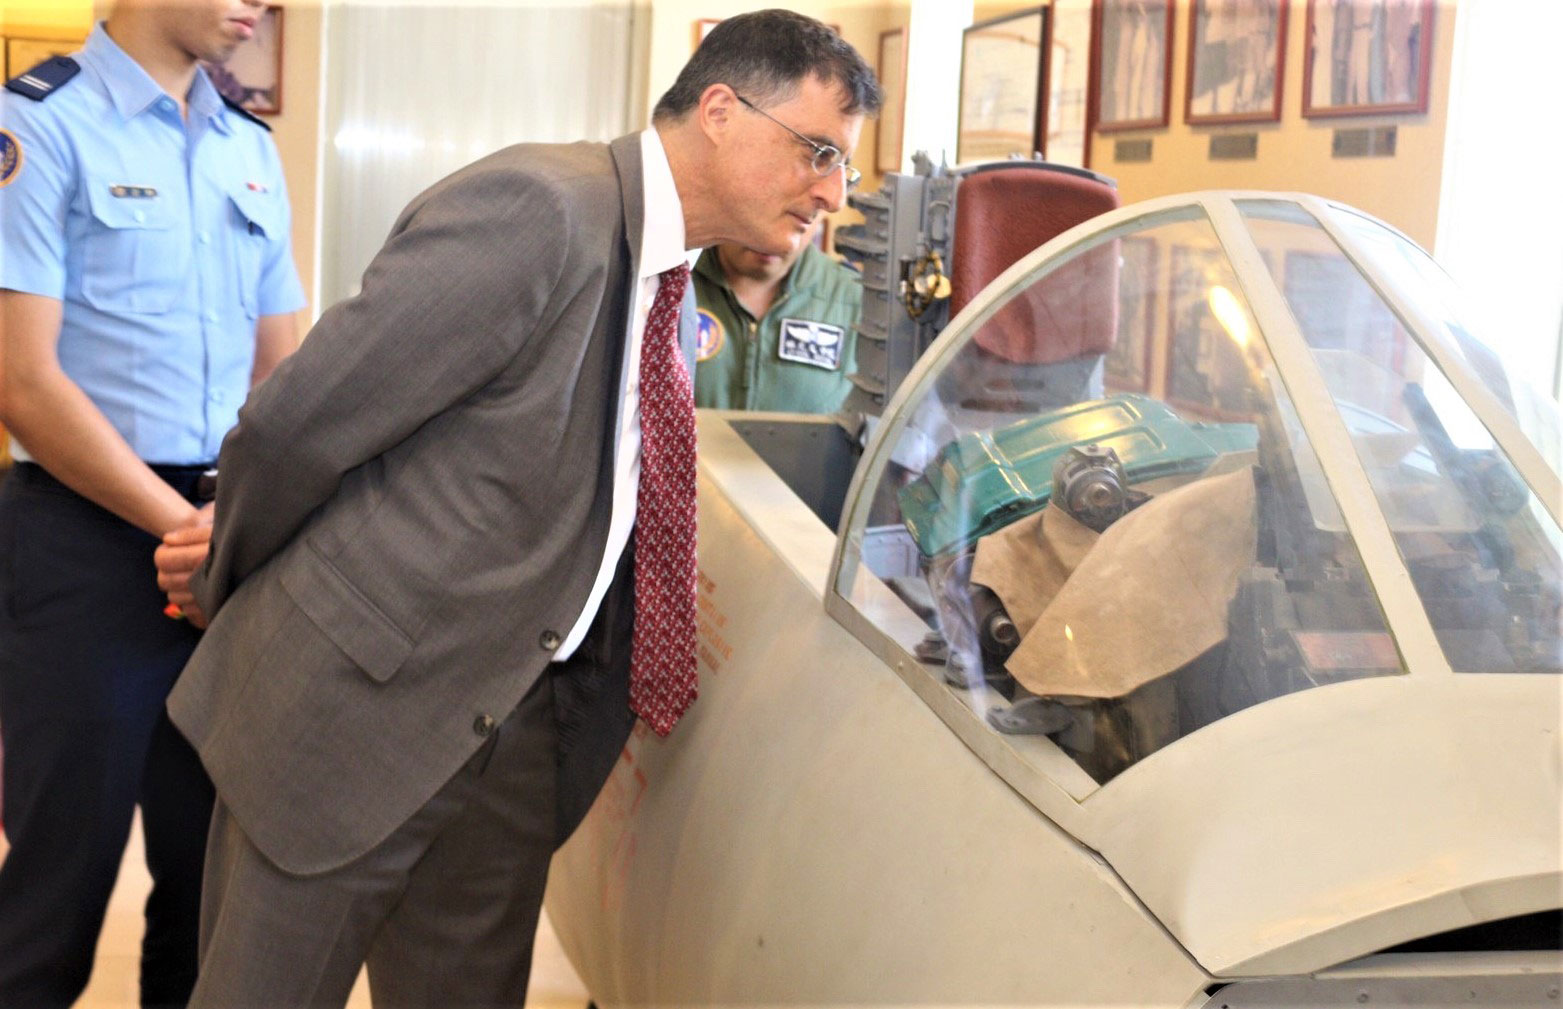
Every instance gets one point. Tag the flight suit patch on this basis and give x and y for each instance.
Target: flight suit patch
(812, 343)
(10, 157)
(709, 336)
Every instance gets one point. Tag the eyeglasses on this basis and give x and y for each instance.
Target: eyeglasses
(826, 158)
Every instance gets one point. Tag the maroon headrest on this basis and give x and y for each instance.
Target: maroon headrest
(1005, 213)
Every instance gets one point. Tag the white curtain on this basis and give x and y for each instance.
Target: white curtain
(414, 92)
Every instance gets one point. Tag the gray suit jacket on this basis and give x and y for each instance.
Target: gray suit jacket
(413, 508)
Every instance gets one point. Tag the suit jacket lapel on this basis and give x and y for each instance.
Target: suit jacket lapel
(632, 191)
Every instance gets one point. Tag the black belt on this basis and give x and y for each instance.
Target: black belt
(191, 481)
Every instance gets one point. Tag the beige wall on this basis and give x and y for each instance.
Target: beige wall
(46, 19)
(1294, 154)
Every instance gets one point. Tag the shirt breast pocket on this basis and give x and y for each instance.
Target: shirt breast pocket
(135, 257)
(257, 219)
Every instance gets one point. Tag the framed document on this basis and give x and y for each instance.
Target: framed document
(1133, 47)
(1367, 59)
(1237, 52)
(1068, 70)
(1002, 87)
(892, 115)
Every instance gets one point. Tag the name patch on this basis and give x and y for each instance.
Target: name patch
(812, 343)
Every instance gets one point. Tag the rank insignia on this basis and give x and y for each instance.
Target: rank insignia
(709, 335)
(813, 343)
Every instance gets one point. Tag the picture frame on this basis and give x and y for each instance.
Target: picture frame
(892, 112)
(1131, 64)
(1378, 62)
(22, 54)
(1003, 86)
(252, 77)
(1066, 115)
(703, 28)
(1127, 367)
(1207, 376)
(1236, 61)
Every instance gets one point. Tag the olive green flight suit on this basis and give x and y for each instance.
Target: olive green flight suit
(797, 357)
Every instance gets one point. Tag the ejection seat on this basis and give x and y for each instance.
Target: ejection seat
(1044, 349)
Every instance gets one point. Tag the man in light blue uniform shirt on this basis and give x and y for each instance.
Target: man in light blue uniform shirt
(146, 283)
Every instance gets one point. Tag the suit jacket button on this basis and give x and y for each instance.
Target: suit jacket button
(483, 725)
(550, 641)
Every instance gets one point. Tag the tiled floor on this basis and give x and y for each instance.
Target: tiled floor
(113, 986)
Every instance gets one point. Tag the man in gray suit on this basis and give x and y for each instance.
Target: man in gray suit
(422, 581)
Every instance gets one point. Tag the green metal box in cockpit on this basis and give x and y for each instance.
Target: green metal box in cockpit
(983, 481)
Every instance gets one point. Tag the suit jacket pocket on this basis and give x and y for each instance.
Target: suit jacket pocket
(345, 614)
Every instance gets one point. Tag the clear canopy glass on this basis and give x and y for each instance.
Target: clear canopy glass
(1097, 515)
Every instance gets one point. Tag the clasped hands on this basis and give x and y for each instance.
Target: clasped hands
(184, 550)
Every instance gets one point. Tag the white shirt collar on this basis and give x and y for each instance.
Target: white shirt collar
(662, 240)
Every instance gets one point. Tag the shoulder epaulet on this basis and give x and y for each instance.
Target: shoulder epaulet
(245, 113)
(44, 79)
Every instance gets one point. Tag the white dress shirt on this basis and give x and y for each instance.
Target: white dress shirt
(661, 248)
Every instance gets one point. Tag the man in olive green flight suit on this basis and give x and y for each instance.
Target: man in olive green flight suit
(775, 332)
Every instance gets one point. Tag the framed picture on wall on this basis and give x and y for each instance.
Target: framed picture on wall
(1367, 59)
(1002, 87)
(1237, 54)
(1132, 43)
(1128, 364)
(21, 55)
(1068, 64)
(703, 28)
(252, 76)
(892, 114)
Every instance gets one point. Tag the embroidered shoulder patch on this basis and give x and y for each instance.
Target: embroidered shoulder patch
(709, 336)
(10, 157)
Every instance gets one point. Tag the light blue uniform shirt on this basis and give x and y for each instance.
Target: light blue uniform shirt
(165, 239)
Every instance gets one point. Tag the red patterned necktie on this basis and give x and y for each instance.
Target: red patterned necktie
(662, 653)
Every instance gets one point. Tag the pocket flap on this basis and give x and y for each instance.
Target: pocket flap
(148, 213)
(261, 211)
(345, 615)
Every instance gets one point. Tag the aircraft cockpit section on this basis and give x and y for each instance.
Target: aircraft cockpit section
(1302, 482)
(1186, 630)
(1116, 573)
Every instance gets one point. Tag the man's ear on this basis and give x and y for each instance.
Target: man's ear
(716, 111)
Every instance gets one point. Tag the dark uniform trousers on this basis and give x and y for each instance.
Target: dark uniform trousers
(87, 659)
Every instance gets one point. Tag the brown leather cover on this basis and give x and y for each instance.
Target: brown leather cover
(1003, 214)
